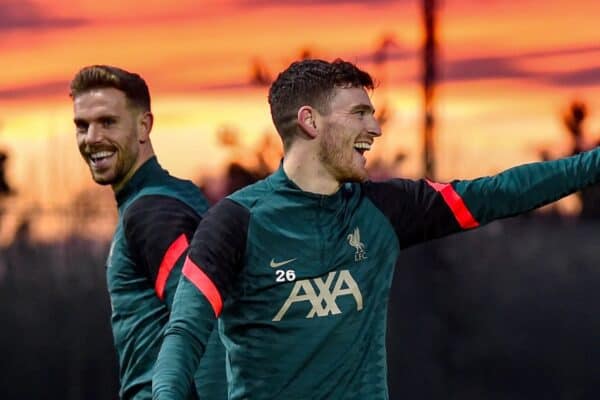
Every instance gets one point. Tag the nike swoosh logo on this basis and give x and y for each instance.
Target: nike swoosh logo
(274, 264)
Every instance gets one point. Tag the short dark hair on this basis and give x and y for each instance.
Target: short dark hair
(106, 76)
(310, 82)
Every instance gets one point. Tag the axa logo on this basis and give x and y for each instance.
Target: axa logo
(322, 294)
(359, 247)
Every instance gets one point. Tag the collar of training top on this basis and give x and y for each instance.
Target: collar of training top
(281, 182)
(148, 170)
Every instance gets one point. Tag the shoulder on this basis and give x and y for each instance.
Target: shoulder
(397, 190)
(157, 210)
(252, 195)
(182, 190)
(394, 184)
(227, 212)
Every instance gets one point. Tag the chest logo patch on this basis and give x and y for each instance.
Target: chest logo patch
(359, 247)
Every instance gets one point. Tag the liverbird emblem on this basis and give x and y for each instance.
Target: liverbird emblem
(354, 241)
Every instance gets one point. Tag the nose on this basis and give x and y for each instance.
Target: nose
(373, 127)
(93, 134)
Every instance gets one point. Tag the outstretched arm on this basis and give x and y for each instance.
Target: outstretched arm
(213, 263)
(529, 186)
(423, 210)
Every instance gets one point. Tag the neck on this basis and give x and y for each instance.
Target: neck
(308, 173)
(146, 152)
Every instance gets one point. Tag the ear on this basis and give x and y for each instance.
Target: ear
(145, 122)
(307, 121)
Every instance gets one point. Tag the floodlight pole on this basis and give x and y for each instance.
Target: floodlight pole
(429, 80)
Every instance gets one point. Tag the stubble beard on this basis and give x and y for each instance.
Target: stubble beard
(125, 161)
(339, 160)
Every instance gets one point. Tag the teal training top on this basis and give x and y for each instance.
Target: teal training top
(158, 215)
(300, 281)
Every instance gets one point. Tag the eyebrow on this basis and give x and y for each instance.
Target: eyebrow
(99, 118)
(362, 107)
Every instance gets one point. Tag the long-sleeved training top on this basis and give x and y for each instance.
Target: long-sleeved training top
(300, 281)
(158, 215)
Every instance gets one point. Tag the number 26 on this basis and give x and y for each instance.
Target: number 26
(285, 276)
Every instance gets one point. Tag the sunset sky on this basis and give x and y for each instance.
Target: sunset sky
(509, 71)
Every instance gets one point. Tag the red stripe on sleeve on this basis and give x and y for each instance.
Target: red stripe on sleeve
(457, 205)
(175, 250)
(204, 284)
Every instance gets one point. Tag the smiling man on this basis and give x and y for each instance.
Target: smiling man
(298, 267)
(157, 217)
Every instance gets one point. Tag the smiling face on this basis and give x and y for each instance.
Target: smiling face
(347, 131)
(111, 135)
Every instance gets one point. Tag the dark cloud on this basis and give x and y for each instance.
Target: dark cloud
(27, 15)
(61, 88)
(558, 52)
(471, 69)
(481, 68)
(461, 70)
(497, 67)
(507, 67)
(582, 77)
(51, 88)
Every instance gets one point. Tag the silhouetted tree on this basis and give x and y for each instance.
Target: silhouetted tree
(260, 74)
(574, 119)
(387, 42)
(246, 165)
(380, 59)
(5, 188)
(306, 53)
(238, 177)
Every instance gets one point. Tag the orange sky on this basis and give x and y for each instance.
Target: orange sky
(509, 68)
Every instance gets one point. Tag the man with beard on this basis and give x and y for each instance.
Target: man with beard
(298, 267)
(158, 215)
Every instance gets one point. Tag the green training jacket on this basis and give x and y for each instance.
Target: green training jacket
(158, 215)
(300, 281)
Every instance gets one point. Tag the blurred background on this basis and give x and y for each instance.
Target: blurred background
(466, 88)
